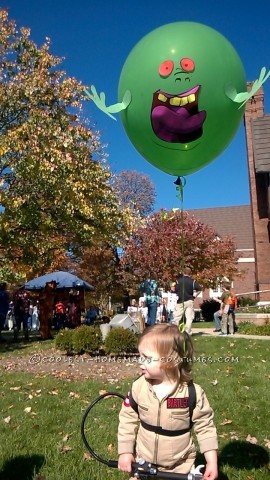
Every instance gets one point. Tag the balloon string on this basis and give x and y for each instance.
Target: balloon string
(180, 184)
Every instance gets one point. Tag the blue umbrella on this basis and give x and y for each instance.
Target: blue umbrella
(63, 280)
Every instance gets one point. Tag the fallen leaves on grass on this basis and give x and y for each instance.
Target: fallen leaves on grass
(111, 372)
(226, 421)
(267, 443)
(74, 395)
(27, 409)
(251, 439)
(87, 457)
(7, 419)
(102, 392)
(65, 449)
(214, 382)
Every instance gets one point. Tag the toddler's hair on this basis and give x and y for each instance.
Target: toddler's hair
(174, 348)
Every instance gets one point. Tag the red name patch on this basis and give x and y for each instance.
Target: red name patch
(177, 402)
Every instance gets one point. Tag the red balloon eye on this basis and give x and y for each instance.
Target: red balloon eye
(187, 64)
(166, 68)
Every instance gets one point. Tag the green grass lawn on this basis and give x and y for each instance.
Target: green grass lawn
(203, 325)
(41, 415)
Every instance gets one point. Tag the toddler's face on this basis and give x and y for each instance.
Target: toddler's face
(150, 363)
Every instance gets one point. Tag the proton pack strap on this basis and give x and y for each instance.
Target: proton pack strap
(192, 400)
(158, 429)
(132, 402)
(161, 431)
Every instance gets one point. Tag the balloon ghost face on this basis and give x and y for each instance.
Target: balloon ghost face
(179, 117)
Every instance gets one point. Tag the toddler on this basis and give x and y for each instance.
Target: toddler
(163, 400)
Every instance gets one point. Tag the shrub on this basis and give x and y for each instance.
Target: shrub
(64, 341)
(120, 340)
(208, 308)
(86, 339)
(249, 328)
(245, 302)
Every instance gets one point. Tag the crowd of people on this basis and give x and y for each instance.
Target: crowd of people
(171, 306)
(20, 311)
(176, 305)
(17, 312)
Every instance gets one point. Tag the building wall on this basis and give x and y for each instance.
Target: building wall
(235, 222)
(254, 110)
(246, 283)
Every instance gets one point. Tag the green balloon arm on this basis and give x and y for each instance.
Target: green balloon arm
(118, 107)
(99, 101)
(243, 97)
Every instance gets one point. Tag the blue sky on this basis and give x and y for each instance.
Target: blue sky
(96, 36)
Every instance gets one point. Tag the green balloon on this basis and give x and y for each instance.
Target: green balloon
(180, 118)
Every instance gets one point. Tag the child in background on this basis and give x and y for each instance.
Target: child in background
(161, 400)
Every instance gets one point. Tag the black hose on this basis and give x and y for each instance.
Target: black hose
(110, 463)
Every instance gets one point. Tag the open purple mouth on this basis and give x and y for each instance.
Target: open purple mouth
(175, 118)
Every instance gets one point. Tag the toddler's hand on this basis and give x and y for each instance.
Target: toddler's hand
(124, 462)
(211, 472)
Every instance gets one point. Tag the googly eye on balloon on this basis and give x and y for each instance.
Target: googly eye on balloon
(182, 94)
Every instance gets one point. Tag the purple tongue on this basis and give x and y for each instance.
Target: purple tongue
(165, 121)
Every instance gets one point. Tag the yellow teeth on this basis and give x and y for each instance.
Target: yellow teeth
(181, 101)
(178, 101)
(162, 98)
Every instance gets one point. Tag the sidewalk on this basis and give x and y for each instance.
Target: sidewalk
(208, 332)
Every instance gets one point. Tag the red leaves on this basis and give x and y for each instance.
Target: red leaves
(166, 240)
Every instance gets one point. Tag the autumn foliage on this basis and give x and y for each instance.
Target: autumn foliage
(55, 191)
(170, 240)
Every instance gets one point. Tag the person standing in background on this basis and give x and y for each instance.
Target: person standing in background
(10, 316)
(187, 290)
(142, 314)
(35, 319)
(162, 313)
(228, 301)
(4, 306)
(21, 313)
(91, 315)
(133, 309)
(59, 314)
(232, 308)
(152, 302)
(171, 302)
(217, 315)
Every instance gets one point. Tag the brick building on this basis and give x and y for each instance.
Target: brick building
(235, 222)
(249, 225)
(257, 126)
